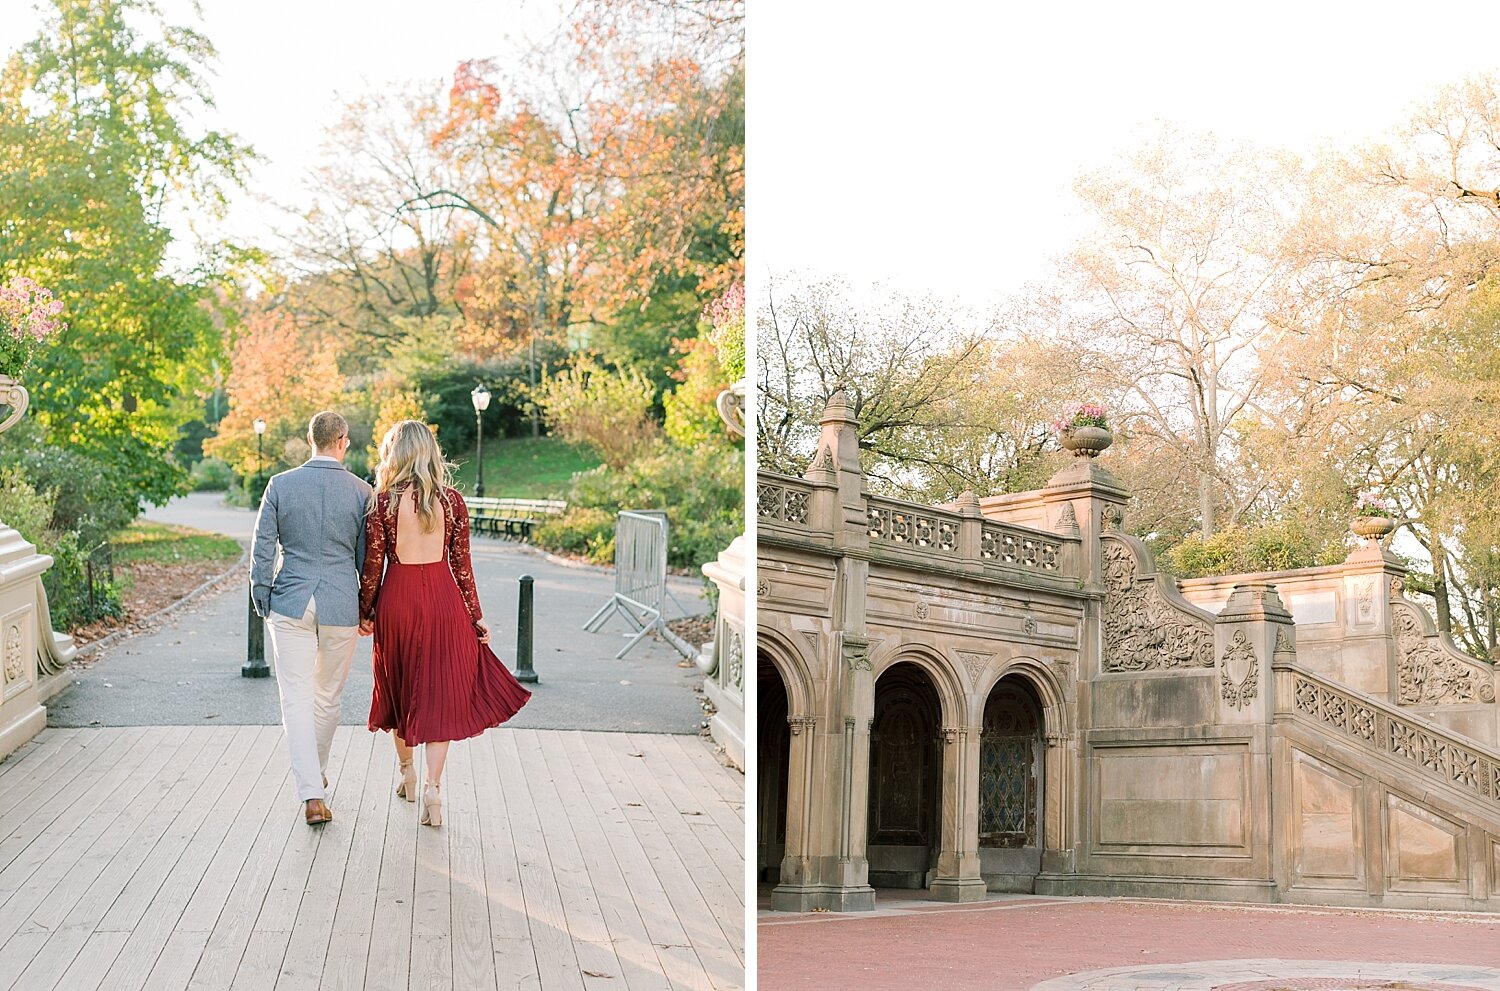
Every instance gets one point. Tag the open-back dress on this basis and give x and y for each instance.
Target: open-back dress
(434, 680)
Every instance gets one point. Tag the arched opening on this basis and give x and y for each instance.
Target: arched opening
(1011, 760)
(774, 752)
(906, 776)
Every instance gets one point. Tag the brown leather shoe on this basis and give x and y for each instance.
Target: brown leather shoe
(317, 811)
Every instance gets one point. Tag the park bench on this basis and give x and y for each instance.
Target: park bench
(511, 518)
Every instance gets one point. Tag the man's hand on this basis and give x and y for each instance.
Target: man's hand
(260, 595)
(483, 629)
(366, 627)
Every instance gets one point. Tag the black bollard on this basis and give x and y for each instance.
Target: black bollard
(255, 645)
(524, 671)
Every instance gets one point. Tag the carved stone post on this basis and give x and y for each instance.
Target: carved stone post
(801, 767)
(1369, 664)
(958, 877)
(1245, 638)
(832, 871)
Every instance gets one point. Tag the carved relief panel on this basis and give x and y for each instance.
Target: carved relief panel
(1142, 631)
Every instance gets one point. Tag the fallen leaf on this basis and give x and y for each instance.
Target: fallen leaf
(595, 973)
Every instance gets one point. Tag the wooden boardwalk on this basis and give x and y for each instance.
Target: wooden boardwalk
(176, 857)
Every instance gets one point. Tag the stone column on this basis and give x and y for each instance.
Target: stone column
(830, 866)
(958, 877)
(1369, 664)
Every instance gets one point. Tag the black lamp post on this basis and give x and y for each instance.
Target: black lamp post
(260, 463)
(481, 398)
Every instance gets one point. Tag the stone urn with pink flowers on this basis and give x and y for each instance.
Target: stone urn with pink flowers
(1374, 518)
(1084, 430)
(29, 315)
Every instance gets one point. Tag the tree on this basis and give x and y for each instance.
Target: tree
(95, 146)
(1185, 276)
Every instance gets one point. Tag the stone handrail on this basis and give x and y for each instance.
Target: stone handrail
(913, 526)
(783, 500)
(1426, 748)
(1430, 670)
(55, 651)
(1148, 625)
(1021, 546)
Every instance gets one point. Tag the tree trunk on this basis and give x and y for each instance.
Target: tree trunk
(1206, 503)
(1440, 588)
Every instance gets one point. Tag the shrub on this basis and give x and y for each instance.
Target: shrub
(1278, 545)
(609, 412)
(86, 494)
(211, 475)
(30, 512)
(583, 530)
(701, 490)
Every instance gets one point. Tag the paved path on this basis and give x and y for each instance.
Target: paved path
(1015, 943)
(175, 858)
(188, 671)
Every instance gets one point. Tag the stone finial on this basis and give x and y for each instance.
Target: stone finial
(1067, 520)
(967, 504)
(1258, 600)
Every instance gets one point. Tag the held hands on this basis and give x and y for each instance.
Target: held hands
(483, 629)
(366, 627)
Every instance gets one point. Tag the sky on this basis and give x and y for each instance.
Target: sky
(285, 67)
(933, 146)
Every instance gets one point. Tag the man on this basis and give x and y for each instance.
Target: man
(315, 513)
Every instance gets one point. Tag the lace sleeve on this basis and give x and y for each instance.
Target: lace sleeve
(374, 563)
(458, 553)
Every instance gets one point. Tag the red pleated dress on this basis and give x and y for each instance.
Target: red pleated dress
(434, 680)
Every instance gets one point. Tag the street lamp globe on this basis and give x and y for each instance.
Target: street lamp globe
(260, 426)
(481, 398)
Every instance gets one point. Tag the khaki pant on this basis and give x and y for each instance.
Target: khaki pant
(312, 664)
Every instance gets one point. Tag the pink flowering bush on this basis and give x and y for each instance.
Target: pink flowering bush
(1370, 505)
(28, 316)
(1082, 415)
(727, 317)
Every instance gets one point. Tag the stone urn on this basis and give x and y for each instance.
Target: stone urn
(1373, 527)
(14, 395)
(1086, 442)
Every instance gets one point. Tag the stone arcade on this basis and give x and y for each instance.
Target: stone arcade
(1005, 695)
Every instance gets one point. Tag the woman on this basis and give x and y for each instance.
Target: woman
(436, 679)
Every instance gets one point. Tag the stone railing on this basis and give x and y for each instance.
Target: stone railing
(912, 526)
(1427, 750)
(1021, 547)
(783, 500)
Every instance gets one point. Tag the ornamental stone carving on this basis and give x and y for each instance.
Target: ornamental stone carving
(1068, 520)
(856, 653)
(974, 662)
(736, 659)
(1239, 653)
(13, 653)
(1142, 631)
(1426, 674)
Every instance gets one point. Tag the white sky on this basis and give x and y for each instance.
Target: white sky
(933, 145)
(285, 66)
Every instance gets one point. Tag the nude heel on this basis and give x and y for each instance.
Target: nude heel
(407, 787)
(432, 804)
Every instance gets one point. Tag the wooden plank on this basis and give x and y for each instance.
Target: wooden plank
(473, 955)
(344, 968)
(584, 809)
(515, 965)
(197, 838)
(308, 949)
(555, 957)
(586, 925)
(270, 827)
(174, 967)
(626, 779)
(390, 933)
(19, 951)
(88, 968)
(21, 872)
(699, 808)
(711, 780)
(34, 753)
(601, 780)
(57, 884)
(30, 804)
(729, 783)
(431, 962)
(258, 967)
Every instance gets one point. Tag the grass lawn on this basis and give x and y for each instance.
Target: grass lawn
(145, 542)
(524, 467)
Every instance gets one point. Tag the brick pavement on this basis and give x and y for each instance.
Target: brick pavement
(1015, 943)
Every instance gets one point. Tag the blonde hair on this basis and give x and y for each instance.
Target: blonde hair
(410, 460)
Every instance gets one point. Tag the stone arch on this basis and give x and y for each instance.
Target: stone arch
(904, 811)
(791, 663)
(1057, 715)
(1011, 782)
(940, 669)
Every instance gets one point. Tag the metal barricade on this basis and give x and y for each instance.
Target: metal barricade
(641, 591)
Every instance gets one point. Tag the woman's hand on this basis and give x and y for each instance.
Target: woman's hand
(483, 629)
(366, 627)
